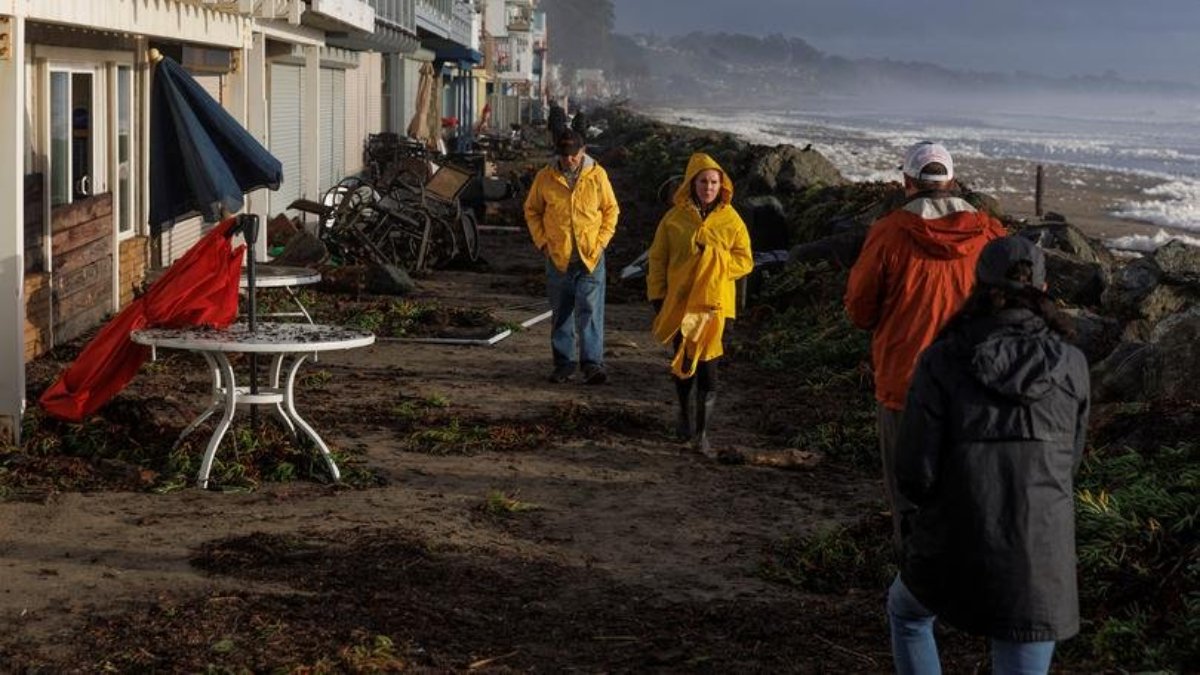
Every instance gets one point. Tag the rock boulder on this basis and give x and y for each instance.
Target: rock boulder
(788, 169)
(1179, 262)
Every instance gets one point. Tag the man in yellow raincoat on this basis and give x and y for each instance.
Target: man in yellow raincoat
(571, 213)
(700, 249)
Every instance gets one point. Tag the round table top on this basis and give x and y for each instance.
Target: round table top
(267, 338)
(275, 276)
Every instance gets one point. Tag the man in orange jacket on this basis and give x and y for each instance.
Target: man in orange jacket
(916, 268)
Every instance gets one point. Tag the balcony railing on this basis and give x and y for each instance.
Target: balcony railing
(434, 16)
(397, 14)
(461, 21)
(289, 10)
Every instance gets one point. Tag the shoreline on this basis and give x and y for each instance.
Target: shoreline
(1086, 197)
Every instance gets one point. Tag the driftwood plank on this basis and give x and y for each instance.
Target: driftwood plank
(65, 241)
(83, 211)
(97, 274)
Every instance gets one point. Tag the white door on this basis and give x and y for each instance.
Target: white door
(286, 131)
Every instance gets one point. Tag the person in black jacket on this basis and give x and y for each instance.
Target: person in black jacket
(556, 122)
(993, 431)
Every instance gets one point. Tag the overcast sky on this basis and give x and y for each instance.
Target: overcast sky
(1138, 39)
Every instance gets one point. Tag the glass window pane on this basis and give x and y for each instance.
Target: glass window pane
(124, 151)
(60, 138)
(81, 134)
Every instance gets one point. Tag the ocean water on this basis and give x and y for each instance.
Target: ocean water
(1159, 139)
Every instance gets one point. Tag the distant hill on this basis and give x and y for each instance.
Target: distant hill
(726, 68)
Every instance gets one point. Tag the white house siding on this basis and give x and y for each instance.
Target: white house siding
(352, 149)
(333, 126)
(371, 66)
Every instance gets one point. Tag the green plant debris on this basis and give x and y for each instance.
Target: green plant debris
(504, 504)
(1137, 517)
(836, 559)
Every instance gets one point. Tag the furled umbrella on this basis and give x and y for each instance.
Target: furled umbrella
(202, 161)
(420, 127)
(200, 289)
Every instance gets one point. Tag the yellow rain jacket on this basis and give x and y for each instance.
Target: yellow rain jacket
(559, 217)
(692, 266)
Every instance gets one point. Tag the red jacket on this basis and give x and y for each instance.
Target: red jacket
(914, 272)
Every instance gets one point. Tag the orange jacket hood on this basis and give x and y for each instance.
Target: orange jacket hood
(944, 226)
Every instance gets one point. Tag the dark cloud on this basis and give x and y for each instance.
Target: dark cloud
(1152, 40)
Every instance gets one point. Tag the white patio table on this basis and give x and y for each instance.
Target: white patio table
(287, 278)
(294, 341)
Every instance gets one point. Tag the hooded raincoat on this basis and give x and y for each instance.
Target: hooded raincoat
(693, 263)
(915, 270)
(992, 434)
(563, 221)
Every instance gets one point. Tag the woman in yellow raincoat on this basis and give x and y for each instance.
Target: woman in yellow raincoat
(701, 247)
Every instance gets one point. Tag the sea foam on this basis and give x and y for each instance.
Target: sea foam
(864, 144)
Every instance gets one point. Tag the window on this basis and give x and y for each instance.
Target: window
(125, 182)
(72, 136)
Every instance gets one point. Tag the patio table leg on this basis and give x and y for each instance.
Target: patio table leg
(296, 299)
(290, 401)
(214, 402)
(276, 366)
(230, 407)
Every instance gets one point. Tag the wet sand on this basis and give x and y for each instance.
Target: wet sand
(1086, 197)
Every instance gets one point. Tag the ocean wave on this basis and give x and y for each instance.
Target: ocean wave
(866, 145)
(1148, 243)
(1175, 204)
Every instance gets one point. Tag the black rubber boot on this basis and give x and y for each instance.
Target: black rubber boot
(683, 423)
(706, 400)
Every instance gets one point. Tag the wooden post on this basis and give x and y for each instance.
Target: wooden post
(1038, 192)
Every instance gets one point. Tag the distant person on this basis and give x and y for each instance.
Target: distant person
(916, 268)
(571, 213)
(700, 248)
(993, 431)
(556, 122)
(485, 121)
(579, 123)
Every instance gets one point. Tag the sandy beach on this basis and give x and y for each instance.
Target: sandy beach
(1086, 197)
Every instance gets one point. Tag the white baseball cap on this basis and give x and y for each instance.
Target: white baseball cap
(923, 154)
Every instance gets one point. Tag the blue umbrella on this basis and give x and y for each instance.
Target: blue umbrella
(202, 161)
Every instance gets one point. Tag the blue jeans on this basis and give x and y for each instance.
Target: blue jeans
(577, 296)
(915, 651)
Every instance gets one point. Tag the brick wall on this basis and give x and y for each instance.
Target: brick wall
(37, 314)
(133, 256)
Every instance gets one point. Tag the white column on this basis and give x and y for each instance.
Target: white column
(12, 229)
(311, 146)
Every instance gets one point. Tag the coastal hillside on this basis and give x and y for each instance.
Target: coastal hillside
(728, 68)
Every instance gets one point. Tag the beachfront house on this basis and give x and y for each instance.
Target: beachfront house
(307, 77)
(515, 39)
